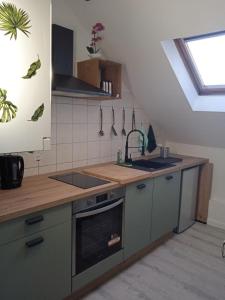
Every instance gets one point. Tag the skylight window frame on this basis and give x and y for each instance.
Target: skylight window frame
(189, 63)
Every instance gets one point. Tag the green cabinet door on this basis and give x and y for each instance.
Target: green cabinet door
(138, 206)
(165, 207)
(37, 267)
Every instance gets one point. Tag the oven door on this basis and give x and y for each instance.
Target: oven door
(97, 234)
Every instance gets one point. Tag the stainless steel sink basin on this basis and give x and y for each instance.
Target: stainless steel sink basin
(148, 165)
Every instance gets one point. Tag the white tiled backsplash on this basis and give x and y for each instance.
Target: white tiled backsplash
(75, 139)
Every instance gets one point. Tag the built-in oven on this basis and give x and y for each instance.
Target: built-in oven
(97, 229)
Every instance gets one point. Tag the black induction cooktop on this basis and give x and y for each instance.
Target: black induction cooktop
(80, 180)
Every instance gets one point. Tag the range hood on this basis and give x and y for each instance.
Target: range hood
(63, 81)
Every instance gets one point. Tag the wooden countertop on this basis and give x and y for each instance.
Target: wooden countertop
(124, 175)
(40, 192)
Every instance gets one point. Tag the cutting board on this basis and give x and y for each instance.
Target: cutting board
(117, 173)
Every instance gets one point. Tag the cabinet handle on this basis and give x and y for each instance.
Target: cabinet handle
(141, 186)
(34, 242)
(34, 220)
(169, 177)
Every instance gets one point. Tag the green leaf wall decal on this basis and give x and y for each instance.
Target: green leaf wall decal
(7, 108)
(38, 113)
(32, 71)
(13, 19)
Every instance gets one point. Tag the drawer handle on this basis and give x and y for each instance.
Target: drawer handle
(34, 242)
(141, 186)
(169, 177)
(34, 220)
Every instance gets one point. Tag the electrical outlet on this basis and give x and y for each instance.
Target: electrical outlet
(46, 143)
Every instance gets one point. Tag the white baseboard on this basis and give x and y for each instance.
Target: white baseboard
(215, 223)
(217, 213)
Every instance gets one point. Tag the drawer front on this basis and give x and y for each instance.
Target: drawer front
(37, 267)
(30, 224)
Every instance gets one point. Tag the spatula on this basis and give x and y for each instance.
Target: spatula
(113, 124)
(124, 119)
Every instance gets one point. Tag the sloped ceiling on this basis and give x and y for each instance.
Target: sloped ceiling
(134, 30)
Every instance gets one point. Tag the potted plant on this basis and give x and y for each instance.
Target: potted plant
(94, 49)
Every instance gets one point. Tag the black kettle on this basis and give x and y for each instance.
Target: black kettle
(11, 171)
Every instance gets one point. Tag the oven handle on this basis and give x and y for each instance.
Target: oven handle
(100, 210)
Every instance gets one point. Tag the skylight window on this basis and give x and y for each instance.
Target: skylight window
(204, 58)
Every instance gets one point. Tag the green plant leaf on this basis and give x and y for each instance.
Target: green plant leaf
(38, 113)
(7, 109)
(32, 71)
(13, 19)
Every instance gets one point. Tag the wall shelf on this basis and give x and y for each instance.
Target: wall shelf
(94, 71)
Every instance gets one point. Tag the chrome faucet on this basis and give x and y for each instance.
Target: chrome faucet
(129, 160)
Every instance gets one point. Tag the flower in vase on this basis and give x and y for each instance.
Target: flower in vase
(96, 31)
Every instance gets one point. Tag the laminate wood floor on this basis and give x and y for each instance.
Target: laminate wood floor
(187, 267)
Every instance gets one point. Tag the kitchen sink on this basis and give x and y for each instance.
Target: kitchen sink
(148, 165)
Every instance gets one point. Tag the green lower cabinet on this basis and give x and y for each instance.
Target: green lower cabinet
(165, 207)
(138, 207)
(37, 267)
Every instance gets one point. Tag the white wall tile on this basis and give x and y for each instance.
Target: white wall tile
(30, 159)
(93, 150)
(64, 100)
(107, 115)
(48, 157)
(94, 161)
(105, 149)
(80, 132)
(64, 166)
(79, 114)
(53, 133)
(64, 113)
(107, 103)
(64, 153)
(107, 132)
(80, 101)
(79, 151)
(80, 163)
(106, 159)
(93, 114)
(47, 169)
(93, 132)
(93, 103)
(53, 113)
(64, 133)
(118, 117)
(30, 172)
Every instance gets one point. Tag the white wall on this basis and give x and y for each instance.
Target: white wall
(64, 15)
(217, 157)
(133, 35)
